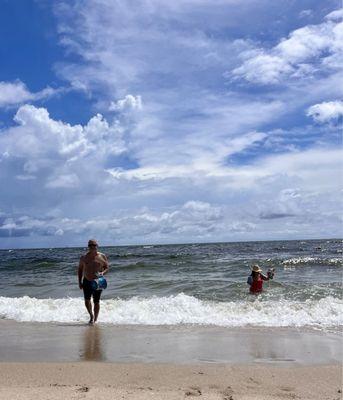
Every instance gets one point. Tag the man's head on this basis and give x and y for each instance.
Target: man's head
(92, 244)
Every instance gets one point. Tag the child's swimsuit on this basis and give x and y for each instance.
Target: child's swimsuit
(256, 285)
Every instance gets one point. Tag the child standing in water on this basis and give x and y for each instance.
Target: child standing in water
(255, 280)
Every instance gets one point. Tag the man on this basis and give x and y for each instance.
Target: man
(92, 265)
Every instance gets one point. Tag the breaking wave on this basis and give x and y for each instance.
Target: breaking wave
(180, 309)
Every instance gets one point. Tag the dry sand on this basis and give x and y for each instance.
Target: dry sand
(95, 380)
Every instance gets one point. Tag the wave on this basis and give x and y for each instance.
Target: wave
(180, 309)
(313, 261)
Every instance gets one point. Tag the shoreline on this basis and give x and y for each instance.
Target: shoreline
(178, 344)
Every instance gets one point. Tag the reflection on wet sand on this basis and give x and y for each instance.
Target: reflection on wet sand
(269, 350)
(92, 344)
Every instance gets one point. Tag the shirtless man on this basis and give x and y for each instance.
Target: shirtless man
(90, 266)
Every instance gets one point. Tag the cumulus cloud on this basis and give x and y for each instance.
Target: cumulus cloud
(14, 93)
(55, 139)
(306, 52)
(129, 102)
(41, 156)
(326, 111)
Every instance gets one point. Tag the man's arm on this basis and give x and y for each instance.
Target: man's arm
(80, 272)
(106, 265)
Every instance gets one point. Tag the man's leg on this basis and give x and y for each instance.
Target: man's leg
(87, 293)
(96, 311)
(88, 305)
(96, 299)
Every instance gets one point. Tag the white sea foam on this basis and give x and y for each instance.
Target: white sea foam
(313, 260)
(179, 309)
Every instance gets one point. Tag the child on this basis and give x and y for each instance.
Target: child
(255, 280)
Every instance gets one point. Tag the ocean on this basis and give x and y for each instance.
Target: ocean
(186, 284)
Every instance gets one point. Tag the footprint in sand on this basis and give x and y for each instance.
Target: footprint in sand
(57, 384)
(286, 389)
(228, 393)
(193, 391)
(289, 392)
(83, 389)
(213, 386)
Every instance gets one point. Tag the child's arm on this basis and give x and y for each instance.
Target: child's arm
(264, 277)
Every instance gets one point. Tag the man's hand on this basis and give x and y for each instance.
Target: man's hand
(80, 285)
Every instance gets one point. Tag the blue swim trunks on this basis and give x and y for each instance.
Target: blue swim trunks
(89, 291)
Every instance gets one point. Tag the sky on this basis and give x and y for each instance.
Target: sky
(151, 121)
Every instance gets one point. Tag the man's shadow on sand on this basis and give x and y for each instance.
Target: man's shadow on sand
(92, 344)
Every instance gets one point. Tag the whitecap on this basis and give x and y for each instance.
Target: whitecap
(180, 309)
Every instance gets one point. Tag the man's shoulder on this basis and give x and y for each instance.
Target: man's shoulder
(102, 255)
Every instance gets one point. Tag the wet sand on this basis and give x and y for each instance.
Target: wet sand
(43, 342)
(53, 361)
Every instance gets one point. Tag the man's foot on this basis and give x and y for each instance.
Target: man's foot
(91, 320)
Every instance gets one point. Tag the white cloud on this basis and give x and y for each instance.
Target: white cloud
(326, 111)
(307, 51)
(45, 137)
(42, 156)
(315, 168)
(264, 68)
(306, 13)
(64, 181)
(200, 158)
(130, 102)
(264, 212)
(14, 93)
(336, 15)
(140, 48)
(194, 219)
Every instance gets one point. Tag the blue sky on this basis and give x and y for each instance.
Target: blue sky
(154, 122)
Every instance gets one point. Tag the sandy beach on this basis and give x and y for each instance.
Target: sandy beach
(57, 361)
(87, 380)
